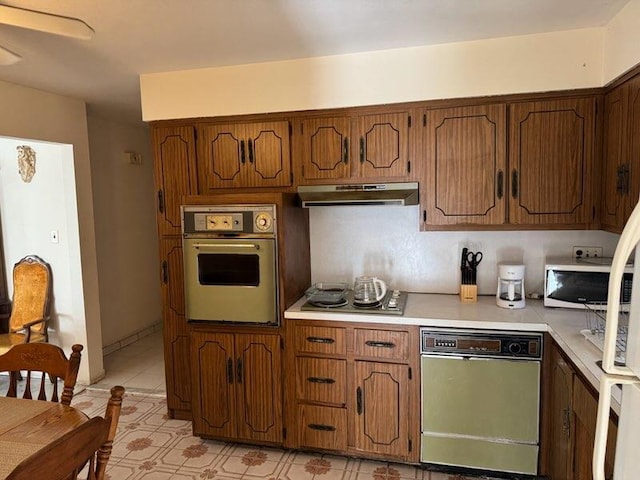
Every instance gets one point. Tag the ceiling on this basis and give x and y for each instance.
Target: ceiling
(133, 37)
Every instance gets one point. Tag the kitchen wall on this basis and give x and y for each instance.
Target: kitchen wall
(529, 63)
(386, 242)
(126, 239)
(621, 40)
(46, 117)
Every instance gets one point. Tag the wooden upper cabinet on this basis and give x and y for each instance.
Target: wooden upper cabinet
(616, 168)
(368, 147)
(326, 154)
(551, 152)
(175, 173)
(383, 146)
(244, 155)
(634, 143)
(463, 177)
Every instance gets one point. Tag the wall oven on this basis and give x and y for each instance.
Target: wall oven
(230, 263)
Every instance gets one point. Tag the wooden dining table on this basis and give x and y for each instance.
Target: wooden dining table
(27, 426)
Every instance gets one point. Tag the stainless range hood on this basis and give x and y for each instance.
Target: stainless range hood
(359, 194)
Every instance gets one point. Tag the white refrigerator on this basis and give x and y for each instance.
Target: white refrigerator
(627, 459)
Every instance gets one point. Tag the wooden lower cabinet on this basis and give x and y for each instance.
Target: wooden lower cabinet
(175, 330)
(381, 423)
(237, 392)
(572, 418)
(353, 390)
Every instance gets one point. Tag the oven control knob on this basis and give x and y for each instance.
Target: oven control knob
(264, 221)
(515, 348)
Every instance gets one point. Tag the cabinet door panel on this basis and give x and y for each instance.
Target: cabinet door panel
(321, 380)
(214, 400)
(382, 148)
(259, 387)
(322, 427)
(551, 158)
(634, 144)
(222, 153)
(325, 148)
(615, 162)
(176, 339)
(381, 344)
(268, 156)
(464, 180)
(175, 173)
(382, 402)
(560, 455)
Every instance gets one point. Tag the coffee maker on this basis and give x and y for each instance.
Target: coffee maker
(510, 286)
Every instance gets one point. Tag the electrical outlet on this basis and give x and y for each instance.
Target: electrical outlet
(133, 158)
(587, 252)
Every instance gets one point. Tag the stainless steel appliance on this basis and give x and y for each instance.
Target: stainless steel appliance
(230, 263)
(392, 303)
(480, 399)
(572, 282)
(359, 194)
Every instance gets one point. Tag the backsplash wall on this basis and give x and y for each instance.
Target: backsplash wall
(386, 242)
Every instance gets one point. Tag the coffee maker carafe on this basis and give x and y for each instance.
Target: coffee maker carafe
(510, 286)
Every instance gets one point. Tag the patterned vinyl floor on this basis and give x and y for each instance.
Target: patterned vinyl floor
(151, 446)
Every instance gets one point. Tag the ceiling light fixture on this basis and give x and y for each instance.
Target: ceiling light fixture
(45, 22)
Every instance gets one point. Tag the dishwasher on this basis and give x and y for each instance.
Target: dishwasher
(480, 399)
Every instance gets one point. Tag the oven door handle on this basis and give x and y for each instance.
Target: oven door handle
(226, 245)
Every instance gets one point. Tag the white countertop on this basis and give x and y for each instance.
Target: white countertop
(435, 310)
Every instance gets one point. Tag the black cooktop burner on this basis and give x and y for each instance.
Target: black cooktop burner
(393, 303)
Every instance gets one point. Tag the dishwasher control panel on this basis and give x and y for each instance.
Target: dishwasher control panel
(480, 343)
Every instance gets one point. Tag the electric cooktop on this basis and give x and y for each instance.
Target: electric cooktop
(393, 303)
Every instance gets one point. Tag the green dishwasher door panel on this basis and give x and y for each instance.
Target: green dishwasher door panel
(478, 397)
(476, 453)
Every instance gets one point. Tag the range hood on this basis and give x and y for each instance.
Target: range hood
(359, 194)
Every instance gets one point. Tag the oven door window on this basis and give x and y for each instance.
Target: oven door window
(229, 269)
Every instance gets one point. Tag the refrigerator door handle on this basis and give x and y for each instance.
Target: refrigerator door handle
(626, 244)
(602, 422)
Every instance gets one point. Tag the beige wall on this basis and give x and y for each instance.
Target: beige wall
(554, 61)
(126, 239)
(622, 41)
(42, 116)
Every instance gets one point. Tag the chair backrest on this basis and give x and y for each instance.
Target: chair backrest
(48, 359)
(112, 414)
(31, 294)
(65, 457)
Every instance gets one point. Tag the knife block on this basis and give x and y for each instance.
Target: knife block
(468, 293)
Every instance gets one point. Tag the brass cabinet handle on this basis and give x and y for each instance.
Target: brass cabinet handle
(345, 150)
(165, 272)
(321, 427)
(320, 340)
(229, 370)
(250, 144)
(373, 343)
(239, 370)
(321, 380)
(160, 201)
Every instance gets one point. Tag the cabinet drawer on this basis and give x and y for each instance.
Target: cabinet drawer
(328, 340)
(322, 427)
(321, 380)
(382, 344)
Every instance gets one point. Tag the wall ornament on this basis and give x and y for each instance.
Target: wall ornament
(26, 162)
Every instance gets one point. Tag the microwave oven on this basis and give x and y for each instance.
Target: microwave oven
(573, 282)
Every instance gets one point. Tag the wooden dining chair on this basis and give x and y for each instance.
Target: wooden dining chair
(47, 359)
(29, 316)
(65, 457)
(80, 453)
